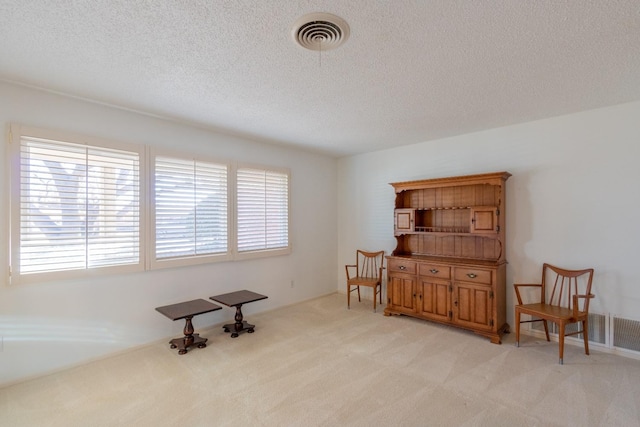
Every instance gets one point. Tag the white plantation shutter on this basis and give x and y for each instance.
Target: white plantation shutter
(190, 208)
(79, 206)
(262, 209)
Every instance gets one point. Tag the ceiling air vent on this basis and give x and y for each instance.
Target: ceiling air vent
(320, 31)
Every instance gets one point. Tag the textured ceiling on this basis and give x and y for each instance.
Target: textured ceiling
(411, 71)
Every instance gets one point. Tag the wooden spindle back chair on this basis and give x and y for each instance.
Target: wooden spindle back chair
(564, 299)
(368, 272)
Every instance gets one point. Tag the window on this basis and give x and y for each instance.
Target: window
(262, 211)
(190, 210)
(78, 206)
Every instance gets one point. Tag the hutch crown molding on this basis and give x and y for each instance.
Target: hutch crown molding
(449, 264)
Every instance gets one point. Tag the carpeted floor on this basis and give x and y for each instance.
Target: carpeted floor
(319, 364)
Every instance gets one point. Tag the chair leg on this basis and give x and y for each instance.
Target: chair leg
(380, 293)
(359, 300)
(585, 334)
(517, 328)
(374, 297)
(546, 329)
(348, 296)
(561, 341)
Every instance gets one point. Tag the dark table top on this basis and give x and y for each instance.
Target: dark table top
(236, 298)
(188, 308)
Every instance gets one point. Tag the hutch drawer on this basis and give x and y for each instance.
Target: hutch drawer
(402, 266)
(436, 271)
(476, 275)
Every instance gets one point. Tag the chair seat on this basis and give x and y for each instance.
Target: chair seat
(363, 281)
(550, 312)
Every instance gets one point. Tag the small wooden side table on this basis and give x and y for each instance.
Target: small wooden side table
(186, 310)
(236, 299)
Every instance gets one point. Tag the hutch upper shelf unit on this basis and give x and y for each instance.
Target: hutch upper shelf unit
(449, 264)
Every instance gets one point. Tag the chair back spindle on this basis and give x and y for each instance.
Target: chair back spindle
(367, 264)
(566, 284)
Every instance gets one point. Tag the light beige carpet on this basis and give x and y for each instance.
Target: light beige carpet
(319, 364)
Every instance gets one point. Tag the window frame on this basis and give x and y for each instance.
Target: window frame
(262, 253)
(16, 133)
(154, 263)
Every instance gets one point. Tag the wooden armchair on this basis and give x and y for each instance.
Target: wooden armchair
(368, 272)
(564, 299)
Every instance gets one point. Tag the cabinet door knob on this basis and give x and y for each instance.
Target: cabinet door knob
(433, 271)
(471, 275)
(402, 267)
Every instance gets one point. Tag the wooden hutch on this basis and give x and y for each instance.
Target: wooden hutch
(449, 264)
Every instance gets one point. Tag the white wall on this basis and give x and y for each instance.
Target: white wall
(44, 327)
(573, 199)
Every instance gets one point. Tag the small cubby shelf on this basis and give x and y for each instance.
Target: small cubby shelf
(476, 220)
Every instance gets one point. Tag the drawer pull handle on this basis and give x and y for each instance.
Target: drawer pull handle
(472, 276)
(402, 267)
(433, 271)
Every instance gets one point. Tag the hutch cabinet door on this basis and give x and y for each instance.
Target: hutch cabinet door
(434, 299)
(401, 289)
(484, 220)
(473, 305)
(404, 221)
